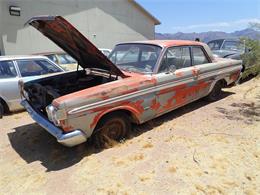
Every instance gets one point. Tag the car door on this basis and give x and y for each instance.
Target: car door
(203, 70)
(177, 79)
(9, 84)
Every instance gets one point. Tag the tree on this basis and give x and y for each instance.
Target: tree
(251, 59)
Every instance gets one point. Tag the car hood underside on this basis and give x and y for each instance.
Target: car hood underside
(66, 36)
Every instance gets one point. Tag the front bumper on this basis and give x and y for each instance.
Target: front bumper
(68, 139)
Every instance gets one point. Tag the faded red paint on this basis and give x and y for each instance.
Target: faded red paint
(234, 76)
(55, 103)
(170, 43)
(121, 87)
(168, 90)
(138, 106)
(195, 72)
(134, 107)
(96, 118)
(74, 43)
(66, 127)
(155, 105)
(180, 97)
(178, 73)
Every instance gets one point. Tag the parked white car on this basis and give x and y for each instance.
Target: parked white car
(24, 68)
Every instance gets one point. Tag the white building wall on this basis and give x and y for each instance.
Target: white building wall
(1, 27)
(103, 22)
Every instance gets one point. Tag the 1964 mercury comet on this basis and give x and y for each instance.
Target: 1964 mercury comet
(139, 81)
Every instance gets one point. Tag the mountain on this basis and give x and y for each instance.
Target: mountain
(211, 35)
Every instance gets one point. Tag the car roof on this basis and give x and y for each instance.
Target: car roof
(21, 57)
(226, 39)
(104, 49)
(50, 53)
(167, 43)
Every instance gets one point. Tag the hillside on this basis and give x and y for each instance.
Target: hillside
(208, 36)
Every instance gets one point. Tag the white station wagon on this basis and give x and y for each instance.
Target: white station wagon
(24, 68)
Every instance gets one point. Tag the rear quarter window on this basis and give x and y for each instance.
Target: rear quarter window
(7, 70)
(199, 56)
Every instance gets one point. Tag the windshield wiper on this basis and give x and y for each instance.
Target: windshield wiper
(100, 72)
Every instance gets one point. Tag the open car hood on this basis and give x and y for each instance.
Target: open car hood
(66, 36)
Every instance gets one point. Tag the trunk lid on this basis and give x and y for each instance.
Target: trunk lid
(66, 36)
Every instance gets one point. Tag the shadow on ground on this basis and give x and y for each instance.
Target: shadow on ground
(245, 112)
(33, 143)
(246, 79)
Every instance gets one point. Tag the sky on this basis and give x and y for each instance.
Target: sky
(202, 15)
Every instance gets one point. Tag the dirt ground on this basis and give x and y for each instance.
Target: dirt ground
(202, 148)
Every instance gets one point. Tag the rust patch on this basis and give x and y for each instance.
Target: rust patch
(195, 72)
(155, 105)
(134, 107)
(181, 95)
(128, 85)
(171, 89)
(66, 127)
(234, 76)
(178, 73)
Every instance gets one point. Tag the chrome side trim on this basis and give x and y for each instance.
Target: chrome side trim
(153, 89)
(70, 139)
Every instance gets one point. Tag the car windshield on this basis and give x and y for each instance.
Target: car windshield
(135, 57)
(215, 45)
(66, 59)
(233, 45)
(36, 67)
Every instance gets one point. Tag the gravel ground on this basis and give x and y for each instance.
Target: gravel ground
(202, 148)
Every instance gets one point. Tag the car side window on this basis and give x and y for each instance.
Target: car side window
(7, 69)
(199, 56)
(36, 67)
(65, 59)
(179, 57)
(52, 58)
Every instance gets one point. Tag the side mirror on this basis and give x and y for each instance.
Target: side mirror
(172, 68)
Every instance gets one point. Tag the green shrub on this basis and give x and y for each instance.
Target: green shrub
(251, 60)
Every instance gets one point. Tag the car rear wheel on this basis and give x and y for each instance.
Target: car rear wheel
(1, 110)
(216, 93)
(111, 129)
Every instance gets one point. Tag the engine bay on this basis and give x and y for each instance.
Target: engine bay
(41, 92)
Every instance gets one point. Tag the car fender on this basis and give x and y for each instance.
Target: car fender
(135, 114)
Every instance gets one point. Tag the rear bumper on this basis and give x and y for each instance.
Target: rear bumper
(70, 139)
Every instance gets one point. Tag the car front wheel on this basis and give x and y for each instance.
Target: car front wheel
(111, 129)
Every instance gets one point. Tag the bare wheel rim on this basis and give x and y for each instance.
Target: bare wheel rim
(114, 129)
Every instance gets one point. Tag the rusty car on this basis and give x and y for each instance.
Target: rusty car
(136, 83)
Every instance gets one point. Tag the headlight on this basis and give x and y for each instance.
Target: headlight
(55, 115)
